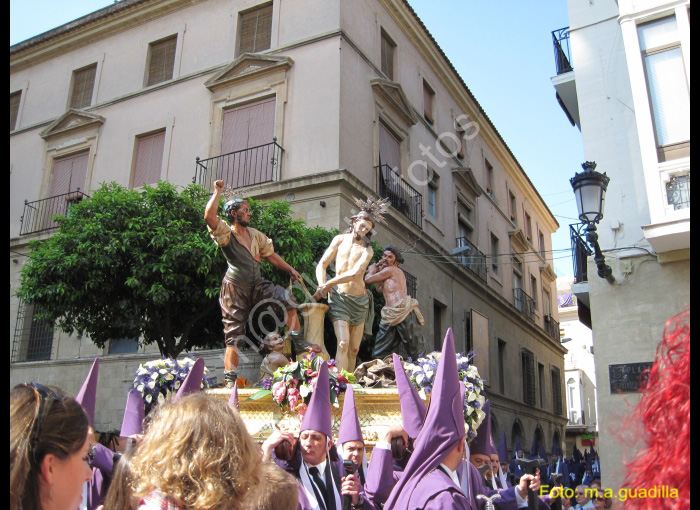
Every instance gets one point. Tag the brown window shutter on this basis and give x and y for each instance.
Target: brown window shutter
(255, 30)
(149, 159)
(83, 84)
(15, 99)
(162, 61)
(69, 174)
(428, 95)
(387, 50)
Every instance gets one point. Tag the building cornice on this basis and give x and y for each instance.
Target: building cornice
(100, 24)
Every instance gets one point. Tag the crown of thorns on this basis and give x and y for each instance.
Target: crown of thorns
(375, 207)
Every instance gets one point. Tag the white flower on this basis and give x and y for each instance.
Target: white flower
(140, 387)
(161, 398)
(419, 378)
(426, 367)
(303, 391)
(162, 371)
(148, 398)
(429, 374)
(154, 375)
(169, 377)
(177, 384)
(151, 384)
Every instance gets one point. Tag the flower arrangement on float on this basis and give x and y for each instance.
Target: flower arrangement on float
(421, 373)
(161, 378)
(292, 385)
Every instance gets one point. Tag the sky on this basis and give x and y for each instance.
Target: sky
(503, 51)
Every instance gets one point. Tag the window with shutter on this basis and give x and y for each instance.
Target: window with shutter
(161, 60)
(556, 391)
(248, 132)
(255, 30)
(428, 100)
(387, 55)
(528, 371)
(82, 86)
(15, 99)
(149, 159)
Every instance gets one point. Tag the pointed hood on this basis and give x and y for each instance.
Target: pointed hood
(87, 396)
(193, 381)
(442, 431)
(533, 448)
(518, 447)
(413, 408)
(577, 454)
(482, 442)
(503, 448)
(132, 423)
(233, 399)
(542, 453)
(555, 447)
(349, 424)
(318, 414)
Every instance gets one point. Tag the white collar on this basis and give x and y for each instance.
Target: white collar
(451, 474)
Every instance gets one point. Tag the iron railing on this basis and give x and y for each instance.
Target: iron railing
(551, 327)
(246, 167)
(405, 199)
(33, 337)
(562, 50)
(39, 215)
(580, 252)
(411, 284)
(524, 303)
(471, 257)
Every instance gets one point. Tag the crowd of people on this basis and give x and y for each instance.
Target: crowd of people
(194, 452)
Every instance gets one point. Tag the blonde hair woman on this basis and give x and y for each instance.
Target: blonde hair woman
(196, 454)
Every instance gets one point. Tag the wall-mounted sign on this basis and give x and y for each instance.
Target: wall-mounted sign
(628, 377)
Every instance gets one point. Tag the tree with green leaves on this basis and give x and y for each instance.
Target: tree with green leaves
(135, 264)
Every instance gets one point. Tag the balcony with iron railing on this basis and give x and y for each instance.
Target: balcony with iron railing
(470, 257)
(580, 252)
(551, 327)
(38, 216)
(403, 197)
(524, 303)
(255, 165)
(562, 50)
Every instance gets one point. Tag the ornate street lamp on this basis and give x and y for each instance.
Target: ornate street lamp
(589, 188)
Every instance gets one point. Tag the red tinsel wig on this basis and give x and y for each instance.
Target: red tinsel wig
(664, 411)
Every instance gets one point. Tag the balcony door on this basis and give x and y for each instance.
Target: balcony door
(248, 156)
(68, 175)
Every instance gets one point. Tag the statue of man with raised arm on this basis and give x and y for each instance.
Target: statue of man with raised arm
(243, 286)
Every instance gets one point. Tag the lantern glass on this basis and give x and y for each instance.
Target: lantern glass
(589, 188)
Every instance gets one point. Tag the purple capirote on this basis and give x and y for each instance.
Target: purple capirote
(441, 433)
(413, 410)
(233, 399)
(192, 382)
(318, 414)
(481, 444)
(350, 429)
(87, 396)
(503, 448)
(132, 423)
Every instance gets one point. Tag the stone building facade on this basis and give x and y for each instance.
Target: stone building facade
(311, 102)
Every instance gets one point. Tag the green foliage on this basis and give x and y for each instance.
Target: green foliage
(131, 264)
